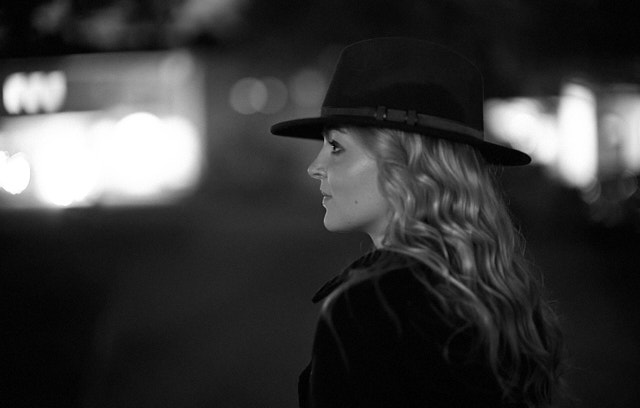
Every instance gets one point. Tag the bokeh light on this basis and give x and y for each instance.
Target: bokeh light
(15, 172)
(65, 169)
(248, 95)
(524, 124)
(277, 95)
(143, 155)
(577, 127)
(34, 92)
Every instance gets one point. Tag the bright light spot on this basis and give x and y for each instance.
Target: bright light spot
(64, 165)
(35, 92)
(82, 159)
(577, 159)
(512, 121)
(522, 123)
(248, 95)
(183, 153)
(15, 173)
(308, 88)
(135, 143)
(546, 148)
(277, 95)
(143, 155)
(12, 91)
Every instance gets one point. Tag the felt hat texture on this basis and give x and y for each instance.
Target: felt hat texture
(406, 84)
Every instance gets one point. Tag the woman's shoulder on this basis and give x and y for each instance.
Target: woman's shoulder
(362, 271)
(391, 273)
(387, 287)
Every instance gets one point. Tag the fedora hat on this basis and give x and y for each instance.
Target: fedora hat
(410, 85)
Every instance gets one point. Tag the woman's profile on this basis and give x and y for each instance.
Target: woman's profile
(444, 310)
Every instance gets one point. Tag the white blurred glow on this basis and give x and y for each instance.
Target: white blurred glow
(184, 153)
(80, 159)
(34, 92)
(143, 155)
(578, 154)
(523, 124)
(248, 95)
(15, 173)
(65, 169)
(308, 87)
(134, 153)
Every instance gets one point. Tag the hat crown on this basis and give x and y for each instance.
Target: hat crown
(411, 75)
(409, 85)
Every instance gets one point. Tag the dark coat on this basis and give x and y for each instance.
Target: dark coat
(380, 340)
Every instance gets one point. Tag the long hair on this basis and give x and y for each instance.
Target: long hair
(447, 213)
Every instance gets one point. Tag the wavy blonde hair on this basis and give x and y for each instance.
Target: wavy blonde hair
(447, 213)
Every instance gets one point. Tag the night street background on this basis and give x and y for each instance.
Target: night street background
(205, 302)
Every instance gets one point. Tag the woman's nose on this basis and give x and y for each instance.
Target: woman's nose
(316, 169)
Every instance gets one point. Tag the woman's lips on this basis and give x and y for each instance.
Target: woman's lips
(325, 197)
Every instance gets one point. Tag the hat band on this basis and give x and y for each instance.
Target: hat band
(410, 117)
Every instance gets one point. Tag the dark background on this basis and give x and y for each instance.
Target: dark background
(206, 302)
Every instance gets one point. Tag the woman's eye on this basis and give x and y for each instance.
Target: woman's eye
(335, 147)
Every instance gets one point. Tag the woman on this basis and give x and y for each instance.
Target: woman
(444, 312)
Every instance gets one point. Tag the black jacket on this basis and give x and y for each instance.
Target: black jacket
(380, 340)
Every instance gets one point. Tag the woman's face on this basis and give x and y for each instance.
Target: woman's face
(348, 177)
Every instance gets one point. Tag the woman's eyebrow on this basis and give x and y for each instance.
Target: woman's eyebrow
(331, 132)
(327, 136)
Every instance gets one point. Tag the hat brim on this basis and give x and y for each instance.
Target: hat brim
(312, 128)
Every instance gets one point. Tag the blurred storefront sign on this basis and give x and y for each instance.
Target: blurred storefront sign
(34, 92)
(101, 129)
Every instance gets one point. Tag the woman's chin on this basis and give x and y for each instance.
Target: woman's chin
(333, 226)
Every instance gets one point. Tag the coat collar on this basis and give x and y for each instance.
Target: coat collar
(330, 286)
(363, 262)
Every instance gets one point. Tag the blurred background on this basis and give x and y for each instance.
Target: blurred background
(159, 248)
